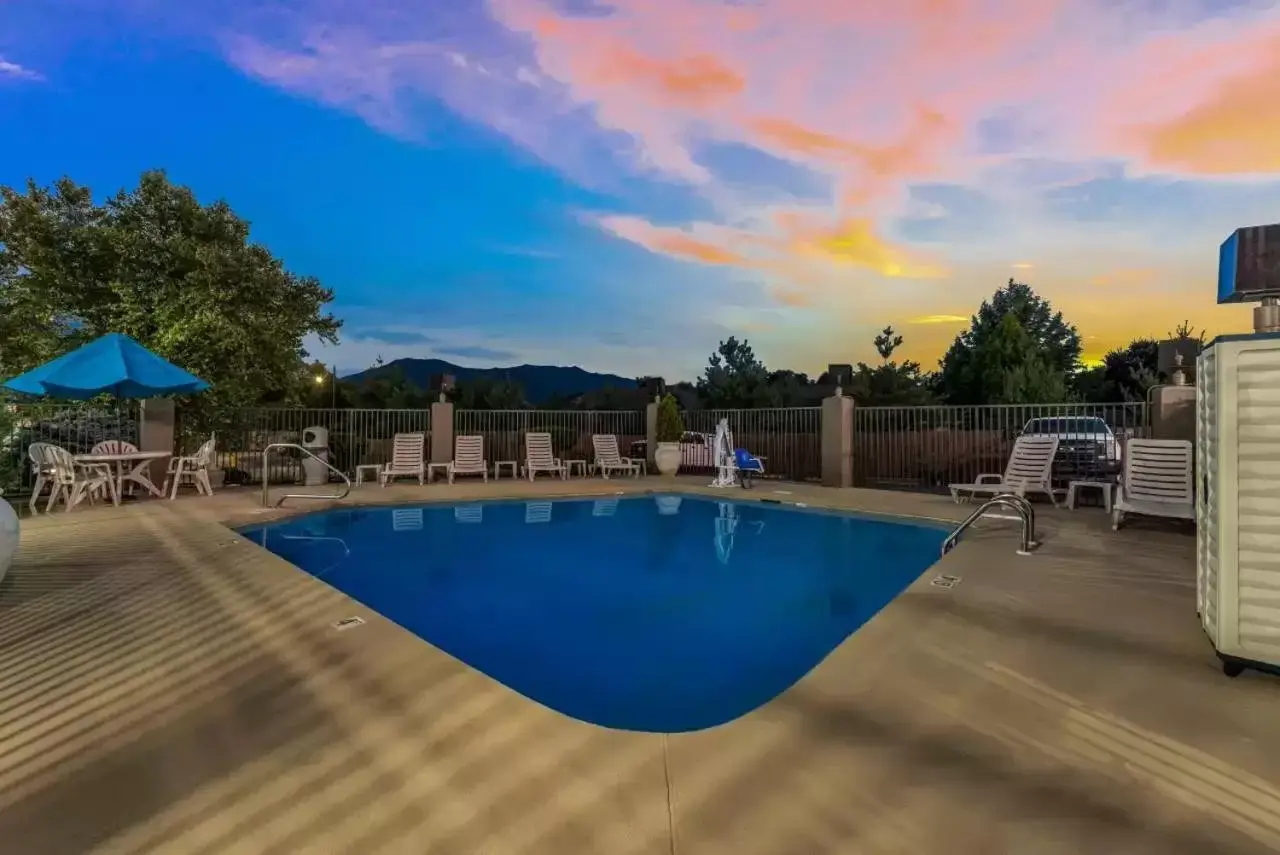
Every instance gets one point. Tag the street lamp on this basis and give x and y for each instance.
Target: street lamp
(333, 387)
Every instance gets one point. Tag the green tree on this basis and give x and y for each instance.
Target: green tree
(484, 393)
(890, 384)
(973, 369)
(670, 426)
(734, 378)
(154, 263)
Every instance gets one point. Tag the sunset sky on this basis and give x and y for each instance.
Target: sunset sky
(621, 184)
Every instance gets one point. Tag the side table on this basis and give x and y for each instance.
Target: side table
(375, 468)
(1107, 488)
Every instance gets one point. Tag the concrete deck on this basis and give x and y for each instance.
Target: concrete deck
(168, 687)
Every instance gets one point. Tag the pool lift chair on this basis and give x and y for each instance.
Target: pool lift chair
(733, 466)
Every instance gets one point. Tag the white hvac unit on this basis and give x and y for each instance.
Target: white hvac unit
(1238, 499)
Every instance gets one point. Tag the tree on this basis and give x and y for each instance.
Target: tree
(735, 378)
(154, 263)
(890, 384)
(973, 369)
(484, 393)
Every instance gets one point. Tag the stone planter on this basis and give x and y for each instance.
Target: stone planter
(666, 457)
(8, 536)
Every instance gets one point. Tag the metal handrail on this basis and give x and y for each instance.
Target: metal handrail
(1010, 500)
(266, 481)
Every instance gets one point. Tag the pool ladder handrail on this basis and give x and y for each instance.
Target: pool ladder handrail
(1009, 500)
(266, 481)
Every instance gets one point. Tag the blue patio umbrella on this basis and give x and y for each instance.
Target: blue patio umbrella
(113, 365)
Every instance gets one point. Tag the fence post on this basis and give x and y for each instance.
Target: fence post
(650, 431)
(441, 432)
(156, 432)
(837, 441)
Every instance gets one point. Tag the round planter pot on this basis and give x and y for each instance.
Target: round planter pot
(666, 456)
(8, 536)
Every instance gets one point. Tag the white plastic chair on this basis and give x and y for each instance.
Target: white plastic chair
(609, 459)
(73, 482)
(42, 468)
(1030, 470)
(407, 458)
(540, 458)
(192, 470)
(1157, 480)
(468, 457)
(116, 446)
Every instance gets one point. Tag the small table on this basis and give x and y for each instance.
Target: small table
(580, 465)
(498, 464)
(432, 467)
(140, 461)
(1107, 488)
(375, 468)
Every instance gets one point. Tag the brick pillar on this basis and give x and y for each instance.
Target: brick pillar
(837, 441)
(651, 431)
(441, 432)
(156, 433)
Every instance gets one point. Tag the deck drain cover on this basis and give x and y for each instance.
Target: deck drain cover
(945, 581)
(347, 623)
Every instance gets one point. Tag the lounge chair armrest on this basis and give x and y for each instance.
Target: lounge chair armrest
(989, 478)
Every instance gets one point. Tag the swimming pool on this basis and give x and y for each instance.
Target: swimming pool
(654, 613)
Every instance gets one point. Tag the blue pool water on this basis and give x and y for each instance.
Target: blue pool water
(654, 613)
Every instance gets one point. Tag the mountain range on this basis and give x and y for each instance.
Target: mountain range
(541, 383)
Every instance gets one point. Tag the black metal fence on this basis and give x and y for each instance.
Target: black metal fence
(571, 430)
(354, 437)
(927, 448)
(789, 439)
(75, 427)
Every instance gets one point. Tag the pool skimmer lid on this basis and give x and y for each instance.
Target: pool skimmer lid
(945, 581)
(347, 623)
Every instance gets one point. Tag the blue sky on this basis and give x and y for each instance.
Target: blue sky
(522, 181)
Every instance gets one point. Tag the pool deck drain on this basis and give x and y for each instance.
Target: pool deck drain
(163, 693)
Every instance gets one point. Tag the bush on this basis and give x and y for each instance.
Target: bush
(670, 426)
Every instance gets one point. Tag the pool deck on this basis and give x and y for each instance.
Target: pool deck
(168, 687)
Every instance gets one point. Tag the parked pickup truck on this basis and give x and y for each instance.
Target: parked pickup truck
(1086, 444)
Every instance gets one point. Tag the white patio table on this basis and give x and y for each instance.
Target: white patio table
(121, 463)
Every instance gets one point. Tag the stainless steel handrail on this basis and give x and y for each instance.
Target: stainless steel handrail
(1009, 500)
(266, 481)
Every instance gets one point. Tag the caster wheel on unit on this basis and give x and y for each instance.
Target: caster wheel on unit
(1232, 669)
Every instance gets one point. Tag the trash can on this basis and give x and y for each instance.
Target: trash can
(315, 440)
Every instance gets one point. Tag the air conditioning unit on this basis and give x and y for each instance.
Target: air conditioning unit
(1238, 499)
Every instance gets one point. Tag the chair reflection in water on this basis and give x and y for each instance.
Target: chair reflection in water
(406, 519)
(468, 513)
(604, 507)
(537, 512)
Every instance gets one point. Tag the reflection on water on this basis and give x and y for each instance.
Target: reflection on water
(319, 539)
(668, 505)
(468, 514)
(406, 519)
(537, 512)
(604, 507)
(728, 523)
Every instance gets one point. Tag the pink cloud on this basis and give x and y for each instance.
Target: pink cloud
(873, 96)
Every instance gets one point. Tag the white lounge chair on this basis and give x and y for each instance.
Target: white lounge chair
(1030, 470)
(407, 459)
(71, 481)
(192, 470)
(538, 456)
(609, 459)
(468, 457)
(1157, 480)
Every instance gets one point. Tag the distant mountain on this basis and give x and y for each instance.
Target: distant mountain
(540, 383)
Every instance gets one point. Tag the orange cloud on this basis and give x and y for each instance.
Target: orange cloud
(856, 242)
(1125, 278)
(940, 319)
(1234, 132)
(697, 80)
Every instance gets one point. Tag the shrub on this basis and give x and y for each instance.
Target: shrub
(670, 426)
